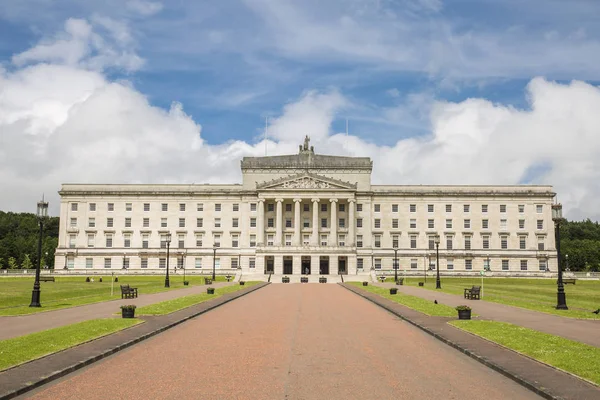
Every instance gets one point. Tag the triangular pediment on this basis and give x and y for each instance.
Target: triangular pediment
(306, 181)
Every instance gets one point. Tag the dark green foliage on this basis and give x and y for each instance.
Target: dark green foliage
(19, 238)
(581, 241)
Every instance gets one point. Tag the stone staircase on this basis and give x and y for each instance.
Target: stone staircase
(276, 278)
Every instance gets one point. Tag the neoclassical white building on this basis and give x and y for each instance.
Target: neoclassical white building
(306, 214)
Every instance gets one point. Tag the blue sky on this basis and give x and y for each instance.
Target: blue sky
(408, 75)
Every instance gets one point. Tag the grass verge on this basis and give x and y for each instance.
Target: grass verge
(577, 358)
(416, 303)
(21, 349)
(169, 306)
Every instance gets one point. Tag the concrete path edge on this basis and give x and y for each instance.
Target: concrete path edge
(31, 385)
(529, 385)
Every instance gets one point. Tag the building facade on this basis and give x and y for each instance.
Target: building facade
(307, 214)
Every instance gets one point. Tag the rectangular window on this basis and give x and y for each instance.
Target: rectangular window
(306, 223)
(109, 222)
(198, 240)
(252, 262)
(128, 207)
(431, 242)
(484, 224)
(323, 222)
(342, 222)
(305, 240)
(358, 207)
(395, 223)
(163, 241)
(217, 263)
(234, 263)
(107, 262)
(145, 239)
(541, 244)
(162, 263)
(288, 240)
(323, 240)
(359, 222)
(521, 224)
(92, 206)
(200, 207)
(163, 222)
(467, 224)
(109, 240)
(413, 224)
(523, 265)
(377, 240)
(288, 222)
(306, 207)
(180, 262)
(235, 207)
(413, 241)
(252, 222)
(73, 223)
(146, 208)
(448, 224)
(217, 207)
(504, 242)
(521, 208)
(502, 208)
(146, 222)
(484, 208)
(466, 208)
(430, 224)
(288, 207)
(199, 222)
(522, 242)
(378, 263)
(90, 240)
(270, 222)
(127, 240)
(467, 242)
(164, 207)
(503, 224)
(377, 207)
(235, 240)
(449, 242)
(323, 207)
(359, 241)
(504, 265)
(468, 264)
(127, 222)
(342, 208)
(395, 241)
(181, 241)
(252, 240)
(252, 206)
(542, 265)
(217, 222)
(89, 263)
(235, 222)
(217, 240)
(448, 208)
(486, 242)
(540, 224)
(198, 262)
(430, 208)
(144, 262)
(412, 208)
(270, 240)
(182, 207)
(394, 208)
(539, 208)
(414, 263)
(360, 263)
(449, 263)
(111, 206)
(72, 241)
(377, 223)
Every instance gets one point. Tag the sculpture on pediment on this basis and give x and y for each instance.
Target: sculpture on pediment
(306, 149)
(306, 183)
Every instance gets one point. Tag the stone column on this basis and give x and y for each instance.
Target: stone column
(278, 222)
(334, 222)
(315, 224)
(351, 224)
(297, 223)
(260, 224)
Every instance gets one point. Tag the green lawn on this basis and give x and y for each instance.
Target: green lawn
(577, 358)
(15, 293)
(416, 303)
(169, 306)
(21, 349)
(533, 294)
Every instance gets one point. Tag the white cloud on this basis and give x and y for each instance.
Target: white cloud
(145, 8)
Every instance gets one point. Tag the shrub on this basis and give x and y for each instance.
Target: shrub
(463, 308)
(128, 307)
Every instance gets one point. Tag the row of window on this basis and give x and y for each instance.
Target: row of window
(162, 262)
(306, 207)
(467, 264)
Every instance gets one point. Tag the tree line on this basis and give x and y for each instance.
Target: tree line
(580, 242)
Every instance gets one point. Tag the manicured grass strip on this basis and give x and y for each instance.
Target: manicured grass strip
(577, 358)
(532, 294)
(71, 291)
(21, 349)
(416, 303)
(169, 306)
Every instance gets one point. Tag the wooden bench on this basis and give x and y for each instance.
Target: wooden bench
(51, 279)
(207, 281)
(474, 293)
(128, 292)
(569, 280)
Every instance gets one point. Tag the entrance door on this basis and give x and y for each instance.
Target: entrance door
(324, 266)
(305, 266)
(342, 266)
(287, 267)
(269, 265)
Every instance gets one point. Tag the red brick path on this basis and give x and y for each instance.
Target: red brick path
(290, 342)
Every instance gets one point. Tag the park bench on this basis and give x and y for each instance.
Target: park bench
(51, 279)
(569, 280)
(207, 281)
(128, 292)
(473, 293)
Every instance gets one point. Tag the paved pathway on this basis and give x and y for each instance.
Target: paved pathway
(13, 326)
(290, 342)
(581, 330)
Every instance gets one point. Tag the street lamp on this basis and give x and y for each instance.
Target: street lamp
(438, 284)
(567, 262)
(557, 218)
(396, 264)
(182, 266)
(42, 212)
(214, 259)
(168, 241)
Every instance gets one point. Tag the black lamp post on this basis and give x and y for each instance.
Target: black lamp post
(183, 266)
(438, 283)
(425, 268)
(42, 212)
(395, 264)
(557, 218)
(214, 260)
(168, 241)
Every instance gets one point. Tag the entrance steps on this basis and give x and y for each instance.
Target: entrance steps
(276, 278)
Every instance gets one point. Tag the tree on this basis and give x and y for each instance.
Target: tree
(12, 263)
(1, 263)
(27, 264)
